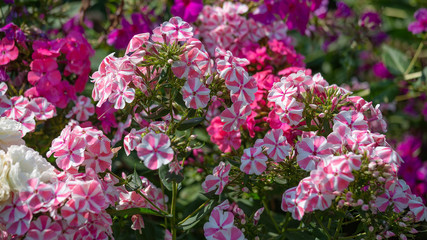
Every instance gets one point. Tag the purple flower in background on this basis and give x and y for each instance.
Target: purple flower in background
(412, 169)
(119, 38)
(381, 71)
(343, 10)
(420, 25)
(188, 10)
(319, 8)
(370, 20)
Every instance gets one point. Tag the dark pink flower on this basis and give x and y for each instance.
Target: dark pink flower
(8, 51)
(187, 9)
(420, 25)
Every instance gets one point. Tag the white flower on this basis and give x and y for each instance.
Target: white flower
(26, 164)
(10, 133)
(4, 172)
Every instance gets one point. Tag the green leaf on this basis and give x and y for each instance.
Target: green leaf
(134, 182)
(168, 177)
(190, 123)
(161, 112)
(193, 220)
(384, 91)
(133, 211)
(396, 61)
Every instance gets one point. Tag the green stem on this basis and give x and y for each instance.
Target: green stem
(264, 202)
(417, 53)
(193, 213)
(139, 192)
(337, 231)
(173, 209)
(352, 237)
(323, 227)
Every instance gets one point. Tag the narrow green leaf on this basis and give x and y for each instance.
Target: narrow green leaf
(161, 112)
(190, 123)
(192, 221)
(133, 211)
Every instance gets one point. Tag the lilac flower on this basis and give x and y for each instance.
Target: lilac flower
(188, 10)
(420, 25)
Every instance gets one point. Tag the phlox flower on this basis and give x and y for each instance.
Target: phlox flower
(276, 145)
(291, 203)
(137, 222)
(337, 174)
(41, 108)
(8, 51)
(257, 215)
(282, 92)
(316, 196)
(229, 67)
(218, 179)
(91, 193)
(195, 93)
(291, 112)
(219, 220)
(418, 209)
(44, 228)
(177, 29)
(233, 233)
(235, 116)
(83, 109)
(137, 42)
(420, 24)
(353, 119)
(188, 10)
(253, 161)
(191, 64)
(155, 150)
(71, 154)
(311, 150)
(75, 212)
(132, 139)
(121, 94)
(15, 108)
(3, 89)
(243, 89)
(226, 141)
(37, 195)
(43, 72)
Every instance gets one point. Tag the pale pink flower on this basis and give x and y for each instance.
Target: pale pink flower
(282, 92)
(219, 220)
(83, 109)
(243, 89)
(195, 94)
(97, 160)
(235, 116)
(311, 150)
(137, 222)
(291, 112)
(44, 228)
(75, 212)
(418, 208)
(27, 121)
(132, 139)
(37, 195)
(316, 196)
(291, 203)
(257, 215)
(92, 193)
(253, 161)
(229, 67)
(191, 64)
(155, 150)
(338, 174)
(177, 29)
(277, 147)
(354, 120)
(71, 154)
(218, 180)
(121, 94)
(42, 108)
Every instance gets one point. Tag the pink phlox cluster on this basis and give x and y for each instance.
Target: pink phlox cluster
(72, 205)
(8, 51)
(226, 141)
(218, 180)
(77, 146)
(82, 109)
(221, 223)
(225, 28)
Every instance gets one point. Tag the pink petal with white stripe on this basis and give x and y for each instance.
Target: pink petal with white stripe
(195, 94)
(253, 161)
(155, 150)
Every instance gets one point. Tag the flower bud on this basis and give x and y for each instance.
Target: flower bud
(170, 61)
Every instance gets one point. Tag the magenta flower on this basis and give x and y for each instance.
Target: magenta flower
(370, 20)
(155, 150)
(381, 71)
(119, 38)
(420, 25)
(187, 9)
(8, 51)
(44, 71)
